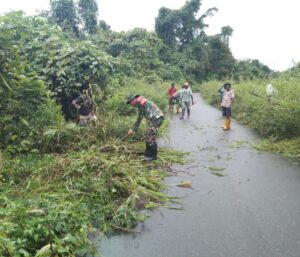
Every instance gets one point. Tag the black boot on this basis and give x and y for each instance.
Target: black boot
(189, 112)
(148, 153)
(153, 153)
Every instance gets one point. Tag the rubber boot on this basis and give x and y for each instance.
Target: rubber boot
(148, 153)
(153, 153)
(225, 126)
(188, 112)
(228, 123)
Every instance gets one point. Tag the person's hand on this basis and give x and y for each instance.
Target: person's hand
(130, 132)
(76, 106)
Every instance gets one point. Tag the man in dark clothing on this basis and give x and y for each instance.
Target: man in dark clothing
(154, 117)
(85, 107)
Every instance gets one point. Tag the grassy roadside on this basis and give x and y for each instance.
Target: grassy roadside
(82, 179)
(276, 118)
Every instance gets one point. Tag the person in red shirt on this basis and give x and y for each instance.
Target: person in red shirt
(171, 92)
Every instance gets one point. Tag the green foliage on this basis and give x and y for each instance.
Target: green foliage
(88, 11)
(24, 98)
(220, 60)
(63, 12)
(68, 66)
(140, 49)
(285, 147)
(58, 199)
(226, 33)
(178, 28)
(251, 69)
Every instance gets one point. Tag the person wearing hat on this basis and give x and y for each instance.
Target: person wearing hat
(186, 96)
(154, 117)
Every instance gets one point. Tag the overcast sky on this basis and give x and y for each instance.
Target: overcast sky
(267, 30)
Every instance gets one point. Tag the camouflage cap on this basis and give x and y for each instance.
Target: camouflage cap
(130, 97)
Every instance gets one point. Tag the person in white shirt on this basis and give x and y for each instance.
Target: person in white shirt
(186, 97)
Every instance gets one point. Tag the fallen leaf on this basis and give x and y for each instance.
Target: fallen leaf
(216, 168)
(217, 173)
(185, 184)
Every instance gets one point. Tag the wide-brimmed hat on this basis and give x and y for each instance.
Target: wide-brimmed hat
(130, 97)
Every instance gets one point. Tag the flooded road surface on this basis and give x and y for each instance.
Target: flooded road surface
(244, 204)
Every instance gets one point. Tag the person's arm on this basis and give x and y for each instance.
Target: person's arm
(75, 103)
(219, 90)
(191, 93)
(232, 96)
(137, 123)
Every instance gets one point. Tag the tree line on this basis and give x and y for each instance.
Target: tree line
(58, 53)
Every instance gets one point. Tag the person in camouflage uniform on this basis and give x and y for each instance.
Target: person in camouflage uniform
(154, 117)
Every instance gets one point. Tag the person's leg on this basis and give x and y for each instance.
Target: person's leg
(154, 151)
(183, 109)
(188, 104)
(170, 105)
(151, 142)
(228, 117)
(225, 118)
(147, 153)
(151, 138)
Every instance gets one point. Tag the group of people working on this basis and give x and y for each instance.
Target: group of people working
(180, 99)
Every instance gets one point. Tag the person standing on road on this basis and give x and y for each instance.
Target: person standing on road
(154, 117)
(186, 97)
(227, 102)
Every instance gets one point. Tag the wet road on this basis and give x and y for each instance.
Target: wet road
(253, 210)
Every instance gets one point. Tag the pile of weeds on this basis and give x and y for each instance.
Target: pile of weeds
(51, 203)
(285, 147)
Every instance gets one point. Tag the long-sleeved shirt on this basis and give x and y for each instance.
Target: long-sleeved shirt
(227, 99)
(150, 111)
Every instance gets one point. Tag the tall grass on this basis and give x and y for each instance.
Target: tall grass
(78, 179)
